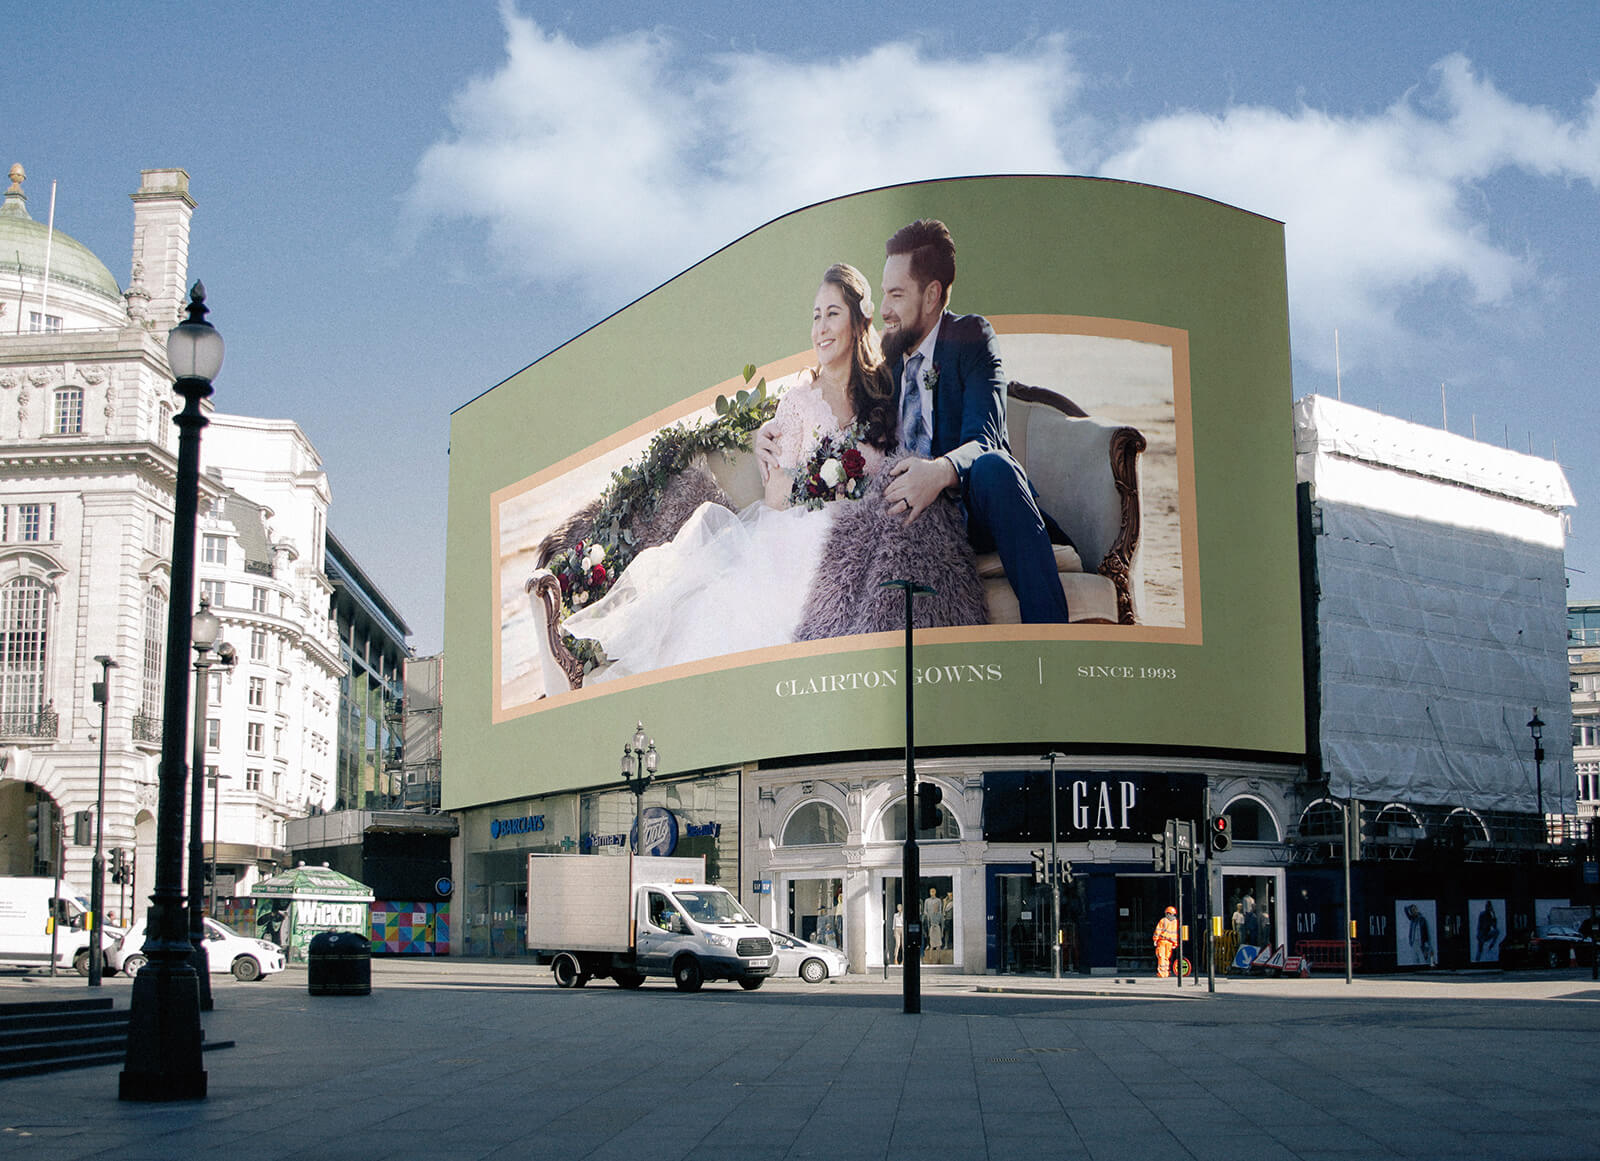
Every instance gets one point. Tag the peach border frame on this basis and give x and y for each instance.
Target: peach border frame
(1189, 634)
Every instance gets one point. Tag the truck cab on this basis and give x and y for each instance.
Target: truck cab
(697, 932)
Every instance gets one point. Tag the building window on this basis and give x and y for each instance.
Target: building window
(1588, 781)
(258, 692)
(1585, 732)
(36, 522)
(280, 692)
(24, 644)
(214, 592)
(258, 599)
(252, 779)
(213, 733)
(255, 738)
(277, 741)
(214, 549)
(69, 411)
(815, 824)
(157, 531)
(155, 633)
(215, 682)
(43, 324)
(258, 644)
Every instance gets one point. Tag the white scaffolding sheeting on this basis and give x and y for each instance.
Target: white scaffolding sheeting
(1442, 613)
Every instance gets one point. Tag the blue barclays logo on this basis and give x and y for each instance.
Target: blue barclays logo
(527, 824)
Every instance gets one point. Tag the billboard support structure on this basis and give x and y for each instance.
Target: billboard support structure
(911, 871)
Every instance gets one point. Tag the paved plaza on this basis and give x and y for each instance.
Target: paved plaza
(465, 1059)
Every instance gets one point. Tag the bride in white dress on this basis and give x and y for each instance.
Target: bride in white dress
(730, 582)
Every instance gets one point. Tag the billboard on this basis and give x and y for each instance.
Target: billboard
(688, 514)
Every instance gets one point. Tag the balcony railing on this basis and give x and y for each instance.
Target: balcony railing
(38, 725)
(146, 728)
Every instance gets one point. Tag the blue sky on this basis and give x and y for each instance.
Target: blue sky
(401, 205)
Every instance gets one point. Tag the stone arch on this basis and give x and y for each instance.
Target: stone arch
(1253, 820)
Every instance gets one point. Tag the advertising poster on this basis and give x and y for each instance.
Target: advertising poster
(690, 513)
(1416, 925)
(1486, 926)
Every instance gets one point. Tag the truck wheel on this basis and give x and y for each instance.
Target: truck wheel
(813, 971)
(567, 971)
(687, 975)
(629, 980)
(751, 983)
(80, 962)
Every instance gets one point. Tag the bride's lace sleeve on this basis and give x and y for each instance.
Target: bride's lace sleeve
(793, 421)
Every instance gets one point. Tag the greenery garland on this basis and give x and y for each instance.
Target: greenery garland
(588, 570)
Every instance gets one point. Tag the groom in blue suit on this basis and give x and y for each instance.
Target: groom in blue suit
(951, 396)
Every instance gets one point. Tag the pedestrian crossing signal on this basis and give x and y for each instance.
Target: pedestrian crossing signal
(1221, 833)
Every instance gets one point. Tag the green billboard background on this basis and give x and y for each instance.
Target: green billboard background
(1026, 246)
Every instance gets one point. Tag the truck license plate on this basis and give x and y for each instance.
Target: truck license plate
(758, 963)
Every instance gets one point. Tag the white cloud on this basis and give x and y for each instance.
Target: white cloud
(613, 166)
(610, 167)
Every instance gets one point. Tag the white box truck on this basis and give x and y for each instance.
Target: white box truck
(25, 922)
(598, 916)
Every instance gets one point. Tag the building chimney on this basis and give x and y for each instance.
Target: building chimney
(161, 212)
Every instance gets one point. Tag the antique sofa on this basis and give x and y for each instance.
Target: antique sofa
(1086, 471)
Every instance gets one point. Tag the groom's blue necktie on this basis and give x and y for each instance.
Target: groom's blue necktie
(914, 434)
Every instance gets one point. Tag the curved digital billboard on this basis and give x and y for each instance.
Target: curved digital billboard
(1060, 404)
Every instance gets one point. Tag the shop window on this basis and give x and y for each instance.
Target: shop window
(894, 825)
(816, 910)
(814, 824)
(1252, 822)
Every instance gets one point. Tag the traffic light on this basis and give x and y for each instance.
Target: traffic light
(929, 795)
(82, 829)
(33, 825)
(1038, 865)
(119, 866)
(1221, 833)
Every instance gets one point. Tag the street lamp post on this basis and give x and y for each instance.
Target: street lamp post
(1055, 876)
(638, 771)
(163, 1062)
(911, 867)
(204, 630)
(1536, 728)
(97, 889)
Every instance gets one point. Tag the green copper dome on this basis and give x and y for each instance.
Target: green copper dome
(22, 251)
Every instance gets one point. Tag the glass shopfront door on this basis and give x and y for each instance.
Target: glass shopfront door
(1022, 919)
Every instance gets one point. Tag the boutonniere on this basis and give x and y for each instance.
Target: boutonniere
(931, 379)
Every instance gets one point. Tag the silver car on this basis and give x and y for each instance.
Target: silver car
(812, 962)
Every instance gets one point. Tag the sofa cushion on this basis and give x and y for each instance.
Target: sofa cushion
(1090, 597)
(989, 565)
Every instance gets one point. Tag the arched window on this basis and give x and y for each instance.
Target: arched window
(815, 824)
(24, 650)
(69, 411)
(894, 824)
(1397, 823)
(1323, 819)
(1462, 826)
(1252, 822)
(155, 636)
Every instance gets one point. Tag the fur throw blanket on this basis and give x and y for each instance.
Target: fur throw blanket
(866, 547)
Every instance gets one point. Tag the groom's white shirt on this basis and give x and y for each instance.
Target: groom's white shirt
(925, 349)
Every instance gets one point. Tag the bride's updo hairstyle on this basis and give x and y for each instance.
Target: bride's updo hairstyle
(871, 390)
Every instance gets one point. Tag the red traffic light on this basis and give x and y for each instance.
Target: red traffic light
(1221, 832)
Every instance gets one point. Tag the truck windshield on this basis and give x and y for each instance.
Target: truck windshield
(712, 907)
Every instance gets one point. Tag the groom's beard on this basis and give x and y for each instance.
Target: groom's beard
(898, 342)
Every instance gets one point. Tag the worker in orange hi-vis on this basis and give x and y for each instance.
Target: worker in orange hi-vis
(1166, 941)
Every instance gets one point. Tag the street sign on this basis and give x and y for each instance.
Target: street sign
(444, 886)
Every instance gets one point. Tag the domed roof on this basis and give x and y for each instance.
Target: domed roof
(23, 242)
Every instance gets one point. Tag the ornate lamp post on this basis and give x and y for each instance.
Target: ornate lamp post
(1536, 728)
(638, 771)
(204, 630)
(163, 1061)
(97, 889)
(911, 861)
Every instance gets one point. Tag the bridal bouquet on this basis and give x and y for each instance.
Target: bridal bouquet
(835, 470)
(584, 572)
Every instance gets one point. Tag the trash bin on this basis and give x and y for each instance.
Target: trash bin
(339, 963)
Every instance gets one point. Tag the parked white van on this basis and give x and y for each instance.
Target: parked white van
(26, 924)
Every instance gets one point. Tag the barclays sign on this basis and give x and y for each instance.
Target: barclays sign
(527, 824)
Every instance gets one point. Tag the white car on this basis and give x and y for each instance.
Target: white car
(226, 950)
(812, 962)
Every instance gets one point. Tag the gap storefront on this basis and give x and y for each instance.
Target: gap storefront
(825, 858)
(686, 817)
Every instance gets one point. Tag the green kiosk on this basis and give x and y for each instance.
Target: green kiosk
(293, 906)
